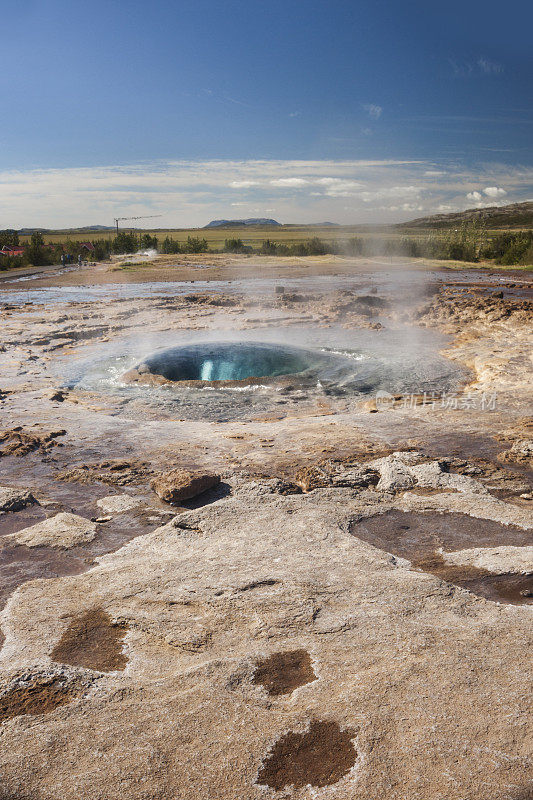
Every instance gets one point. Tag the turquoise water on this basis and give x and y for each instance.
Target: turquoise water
(230, 361)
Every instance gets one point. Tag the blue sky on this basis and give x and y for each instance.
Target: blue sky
(200, 109)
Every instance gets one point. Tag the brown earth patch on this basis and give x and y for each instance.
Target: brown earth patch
(418, 538)
(506, 588)
(320, 757)
(37, 694)
(282, 673)
(92, 641)
(454, 312)
(114, 473)
(501, 481)
(428, 491)
(521, 452)
(309, 478)
(19, 441)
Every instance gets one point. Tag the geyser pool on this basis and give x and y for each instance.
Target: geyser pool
(215, 376)
(224, 363)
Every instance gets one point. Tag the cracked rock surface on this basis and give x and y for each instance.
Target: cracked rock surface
(345, 615)
(396, 652)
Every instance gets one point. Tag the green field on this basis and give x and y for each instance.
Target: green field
(256, 235)
(471, 242)
(250, 235)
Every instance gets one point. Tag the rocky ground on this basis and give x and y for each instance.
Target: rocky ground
(344, 613)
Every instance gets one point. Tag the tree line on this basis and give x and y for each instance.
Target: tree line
(471, 242)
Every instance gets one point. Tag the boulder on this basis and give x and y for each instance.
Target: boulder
(15, 499)
(63, 530)
(395, 475)
(358, 478)
(520, 453)
(431, 475)
(56, 395)
(179, 485)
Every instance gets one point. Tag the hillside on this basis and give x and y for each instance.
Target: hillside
(515, 215)
(66, 231)
(239, 223)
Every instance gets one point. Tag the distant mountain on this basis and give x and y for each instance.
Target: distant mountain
(97, 228)
(515, 215)
(85, 229)
(239, 223)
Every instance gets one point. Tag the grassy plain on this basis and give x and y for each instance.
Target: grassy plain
(250, 235)
(256, 235)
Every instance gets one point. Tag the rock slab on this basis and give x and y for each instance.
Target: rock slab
(63, 530)
(118, 503)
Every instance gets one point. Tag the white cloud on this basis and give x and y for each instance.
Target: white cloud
(489, 191)
(403, 207)
(483, 66)
(434, 173)
(391, 192)
(329, 181)
(190, 193)
(243, 184)
(374, 111)
(339, 187)
(494, 191)
(295, 182)
(489, 67)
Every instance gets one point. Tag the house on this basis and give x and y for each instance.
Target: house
(12, 251)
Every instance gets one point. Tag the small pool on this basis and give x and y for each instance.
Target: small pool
(224, 362)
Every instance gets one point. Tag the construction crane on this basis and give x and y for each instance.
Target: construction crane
(147, 216)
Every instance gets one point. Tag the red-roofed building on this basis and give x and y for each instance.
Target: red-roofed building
(12, 251)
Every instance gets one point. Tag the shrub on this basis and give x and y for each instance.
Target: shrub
(148, 242)
(102, 250)
(513, 248)
(9, 238)
(125, 243)
(269, 248)
(316, 247)
(236, 246)
(10, 262)
(195, 245)
(36, 253)
(170, 246)
(354, 246)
